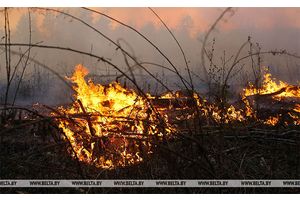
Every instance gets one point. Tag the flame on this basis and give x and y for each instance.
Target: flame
(225, 115)
(295, 114)
(278, 90)
(109, 126)
(209, 111)
(112, 126)
(297, 108)
(272, 120)
(249, 112)
(168, 95)
(270, 85)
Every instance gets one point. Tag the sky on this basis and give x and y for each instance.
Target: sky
(271, 28)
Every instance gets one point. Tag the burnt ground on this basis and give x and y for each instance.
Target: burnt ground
(242, 152)
(31, 149)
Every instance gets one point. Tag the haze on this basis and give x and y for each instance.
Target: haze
(271, 28)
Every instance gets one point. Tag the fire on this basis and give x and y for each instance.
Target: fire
(272, 121)
(297, 108)
(248, 109)
(226, 115)
(109, 126)
(206, 110)
(295, 114)
(168, 95)
(279, 89)
(112, 126)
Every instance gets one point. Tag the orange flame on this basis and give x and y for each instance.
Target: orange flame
(295, 114)
(269, 86)
(272, 121)
(278, 90)
(109, 126)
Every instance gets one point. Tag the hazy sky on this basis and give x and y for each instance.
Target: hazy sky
(272, 28)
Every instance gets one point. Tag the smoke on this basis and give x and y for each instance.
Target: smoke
(272, 28)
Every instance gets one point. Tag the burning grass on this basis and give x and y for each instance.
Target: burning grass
(109, 126)
(176, 135)
(172, 136)
(112, 126)
(275, 93)
(270, 86)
